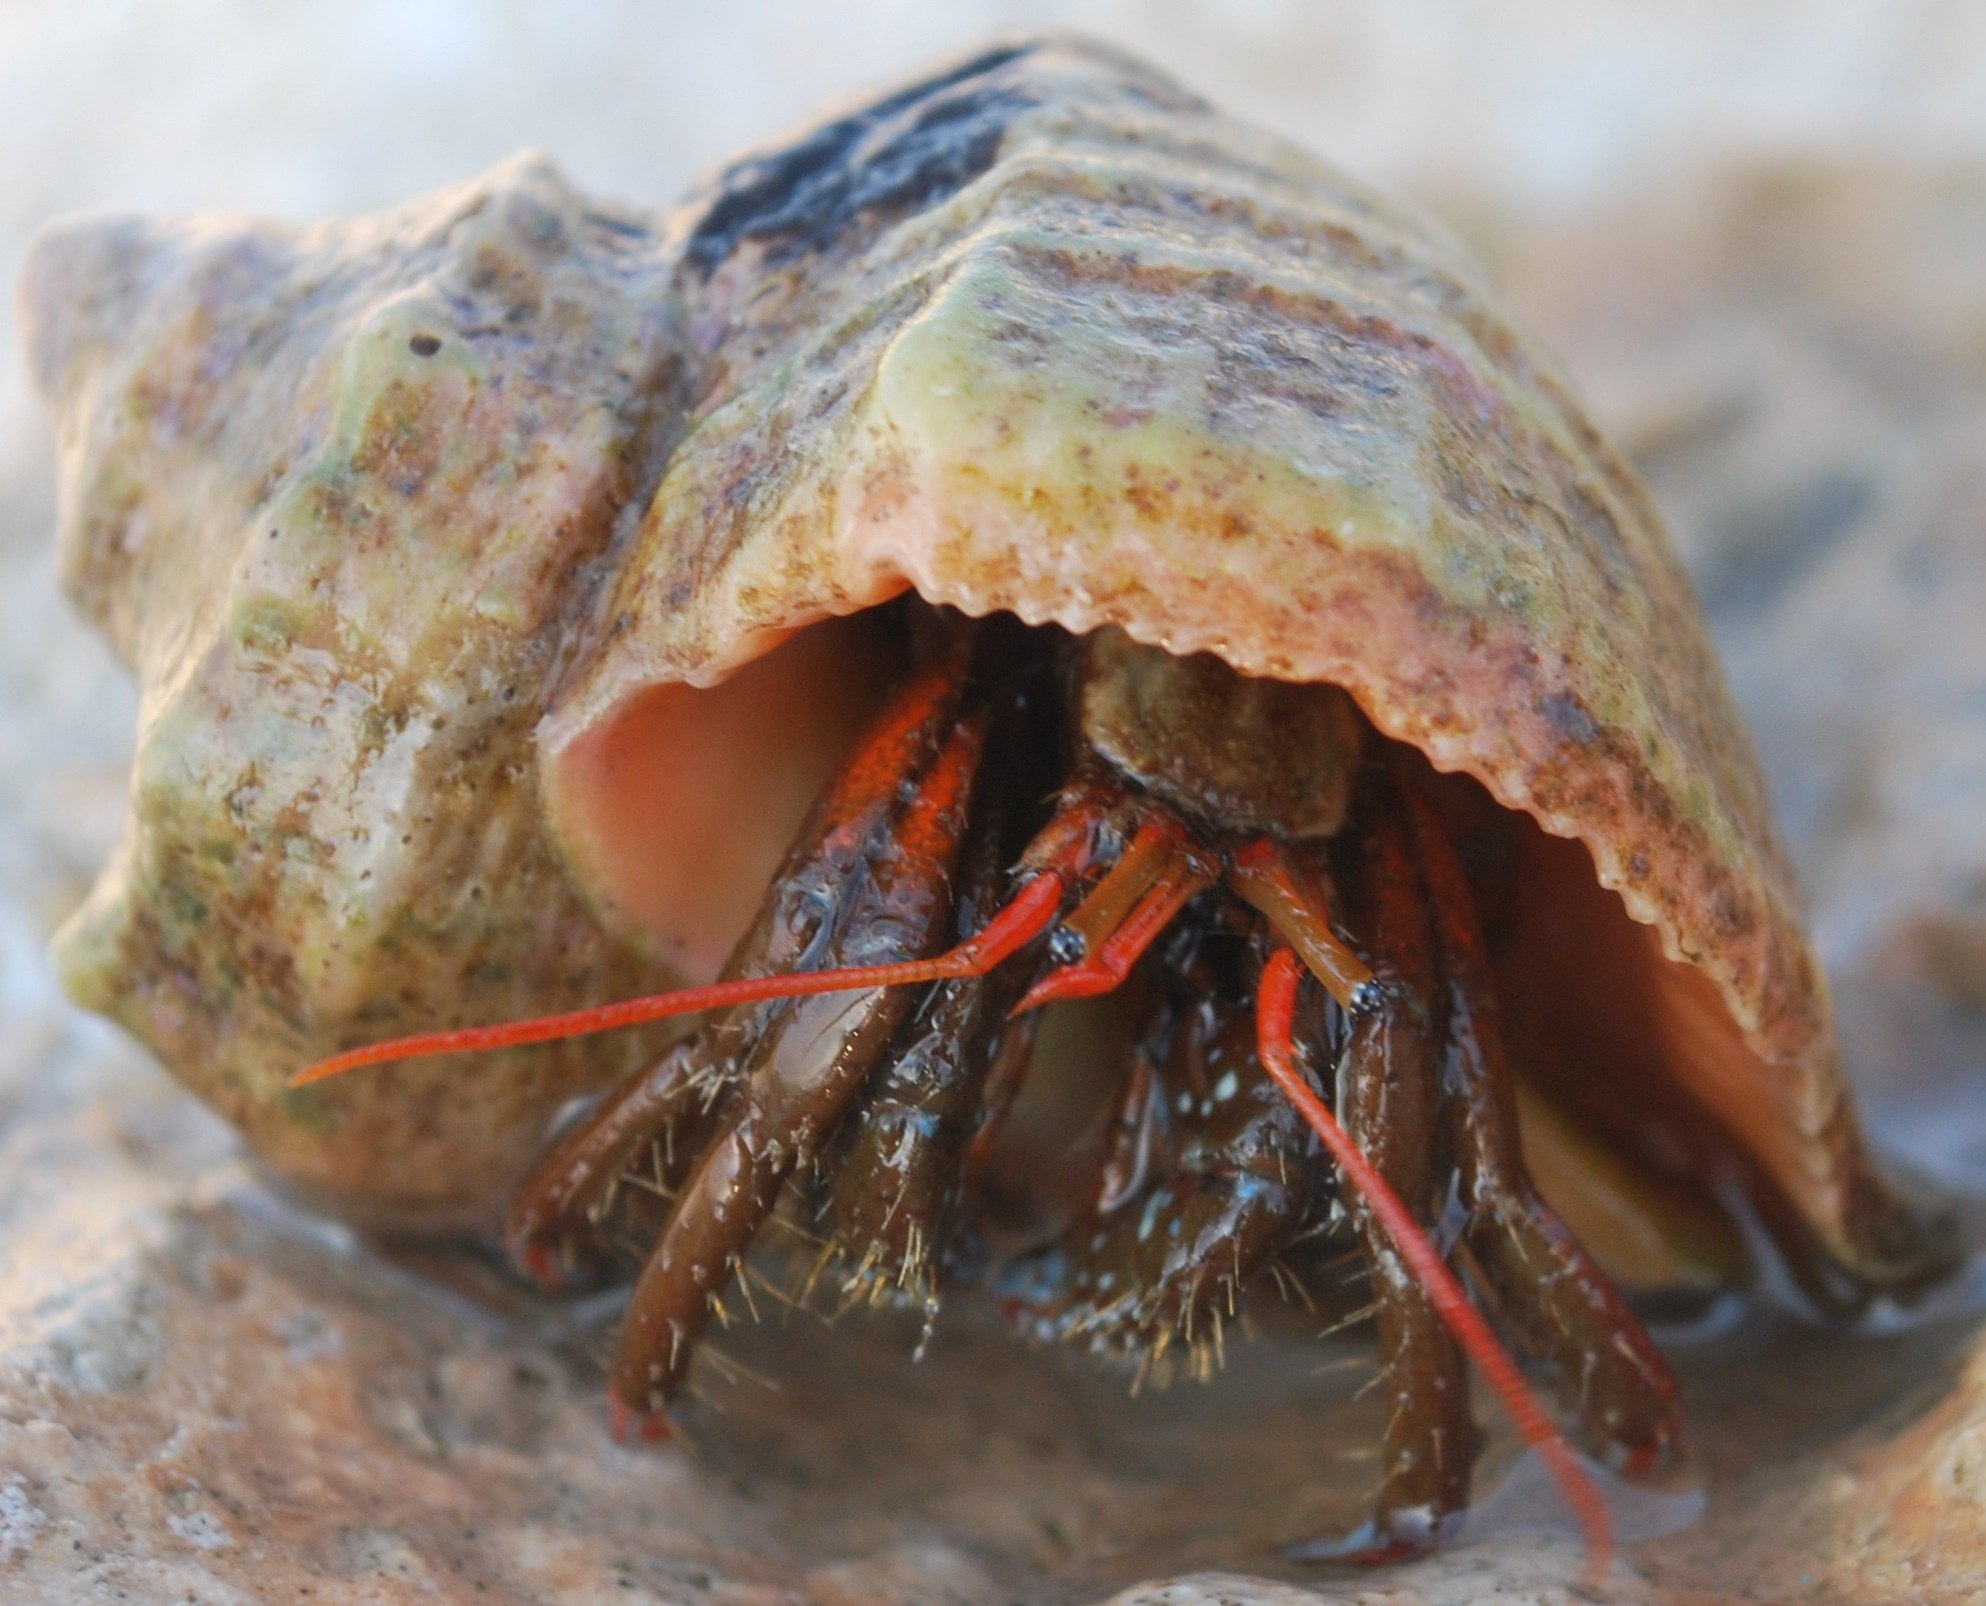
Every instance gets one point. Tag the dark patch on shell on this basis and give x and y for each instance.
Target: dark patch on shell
(892, 158)
(1569, 717)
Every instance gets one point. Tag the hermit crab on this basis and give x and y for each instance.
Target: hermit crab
(1025, 538)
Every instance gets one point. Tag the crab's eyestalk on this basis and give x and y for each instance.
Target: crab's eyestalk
(1288, 888)
(1160, 873)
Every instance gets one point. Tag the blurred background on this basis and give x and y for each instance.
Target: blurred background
(1755, 233)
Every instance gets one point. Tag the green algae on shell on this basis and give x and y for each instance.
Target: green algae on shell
(1042, 334)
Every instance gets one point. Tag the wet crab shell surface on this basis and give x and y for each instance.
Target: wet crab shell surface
(492, 572)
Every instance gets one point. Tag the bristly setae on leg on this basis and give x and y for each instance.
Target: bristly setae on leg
(1208, 840)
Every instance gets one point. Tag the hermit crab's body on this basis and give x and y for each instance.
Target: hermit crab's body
(1119, 520)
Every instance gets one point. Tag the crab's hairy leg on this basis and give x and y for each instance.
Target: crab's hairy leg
(1388, 1099)
(898, 1187)
(898, 1175)
(633, 1125)
(1205, 1189)
(1562, 1305)
(1048, 1293)
(1178, 873)
(1275, 1015)
(649, 1127)
(806, 1067)
(653, 1125)
(645, 1128)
